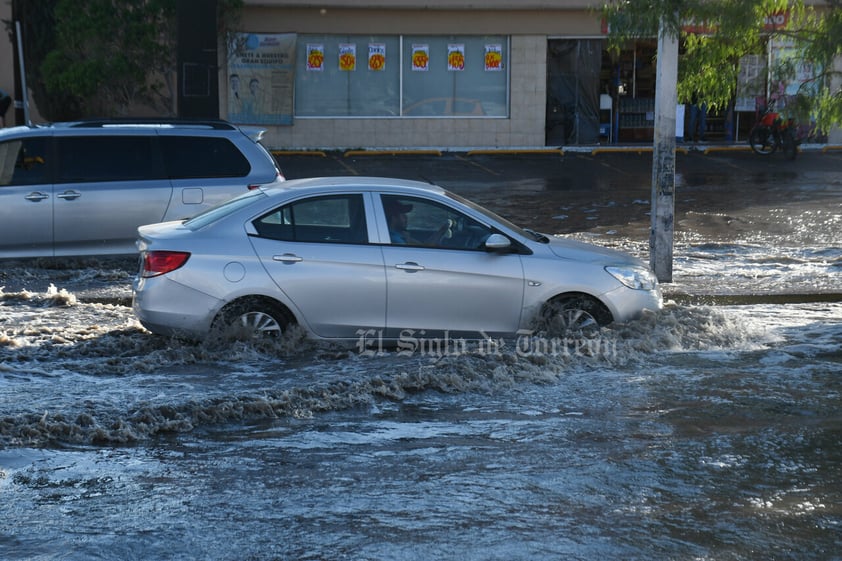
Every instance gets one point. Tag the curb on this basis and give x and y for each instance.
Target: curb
(593, 151)
(398, 152)
(319, 153)
(508, 151)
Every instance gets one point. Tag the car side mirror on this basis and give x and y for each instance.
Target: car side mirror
(497, 242)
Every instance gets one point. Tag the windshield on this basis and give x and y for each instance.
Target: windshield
(222, 210)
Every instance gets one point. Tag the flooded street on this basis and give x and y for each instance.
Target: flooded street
(711, 430)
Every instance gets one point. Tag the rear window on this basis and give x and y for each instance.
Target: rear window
(107, 158)
(222, 210)
(189, 157)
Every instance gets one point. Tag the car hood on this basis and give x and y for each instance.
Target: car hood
(580, 251)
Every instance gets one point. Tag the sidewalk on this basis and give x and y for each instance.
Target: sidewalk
(681, 147)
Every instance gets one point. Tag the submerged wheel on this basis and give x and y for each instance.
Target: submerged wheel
(762, 141)
(575, 314)
(251, 318)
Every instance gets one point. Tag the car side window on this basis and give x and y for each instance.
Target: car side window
(24, 162)
(107, 158)
(419, 222)
(189, 157)
(327, 219)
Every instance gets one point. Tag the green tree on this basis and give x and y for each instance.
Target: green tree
(724, 31)
(92, 58)
(112, 55)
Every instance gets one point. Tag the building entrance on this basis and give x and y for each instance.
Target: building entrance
(573, 71)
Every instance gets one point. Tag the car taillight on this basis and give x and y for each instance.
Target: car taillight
(162, 262)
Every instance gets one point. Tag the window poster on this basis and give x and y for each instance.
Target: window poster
(347, 57)
(315, 57)
(377, 57)
(494, 58)
(456, 57)
(420, 58)
(261, 78)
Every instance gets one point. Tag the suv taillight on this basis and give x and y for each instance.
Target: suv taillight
(162, 262)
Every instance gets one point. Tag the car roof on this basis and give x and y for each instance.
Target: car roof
(356, 183)
(187, 125)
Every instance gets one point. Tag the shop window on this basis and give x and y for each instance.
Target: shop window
(455, 76)
(392, 76)
(347, 76)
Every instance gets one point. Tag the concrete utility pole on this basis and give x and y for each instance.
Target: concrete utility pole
(663, 156)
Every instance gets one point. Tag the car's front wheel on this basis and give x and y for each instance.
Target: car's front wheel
(576, 314)
(251, 318)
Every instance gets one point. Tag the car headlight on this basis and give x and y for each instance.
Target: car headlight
(637, 278)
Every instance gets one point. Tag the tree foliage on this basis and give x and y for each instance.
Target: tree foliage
(112, 54)
(716, 34)
(103, 58)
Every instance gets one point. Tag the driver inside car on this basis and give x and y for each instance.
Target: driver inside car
(398, 221)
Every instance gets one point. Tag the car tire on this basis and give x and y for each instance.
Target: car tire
(574, 314)
(252, 318)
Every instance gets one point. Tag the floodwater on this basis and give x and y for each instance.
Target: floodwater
(708, 431)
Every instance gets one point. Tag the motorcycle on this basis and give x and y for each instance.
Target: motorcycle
(773, 132)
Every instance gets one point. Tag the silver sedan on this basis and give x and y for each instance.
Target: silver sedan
(349, 257)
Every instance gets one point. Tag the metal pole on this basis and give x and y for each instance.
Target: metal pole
(25, 94)
(663, 156)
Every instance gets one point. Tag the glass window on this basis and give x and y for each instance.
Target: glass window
(332, 219)
(356, 75)
(419, 222)
(455, 76)
(222, 210)
(413, 76)
(24, 162)
(107, 158)
(189, 157)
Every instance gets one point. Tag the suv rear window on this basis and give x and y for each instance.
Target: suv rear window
(195, 157)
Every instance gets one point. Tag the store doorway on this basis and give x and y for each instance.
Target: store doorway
(573, 76)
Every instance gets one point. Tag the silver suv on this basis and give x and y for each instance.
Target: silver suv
(83, 188)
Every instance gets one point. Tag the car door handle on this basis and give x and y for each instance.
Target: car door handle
(287, 258)
(36, 196)
(409, 266)
(69, 195)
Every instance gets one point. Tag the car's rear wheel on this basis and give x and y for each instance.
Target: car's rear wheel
(252, 318)
(576, 314)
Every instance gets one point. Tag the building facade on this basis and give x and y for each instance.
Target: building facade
(443, 74)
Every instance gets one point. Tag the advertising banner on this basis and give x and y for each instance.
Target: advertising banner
(456, 57)
(261, 78)
(377, 57)
(420, 58)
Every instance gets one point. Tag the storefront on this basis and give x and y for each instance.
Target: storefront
(396, 74)
(445, 75)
